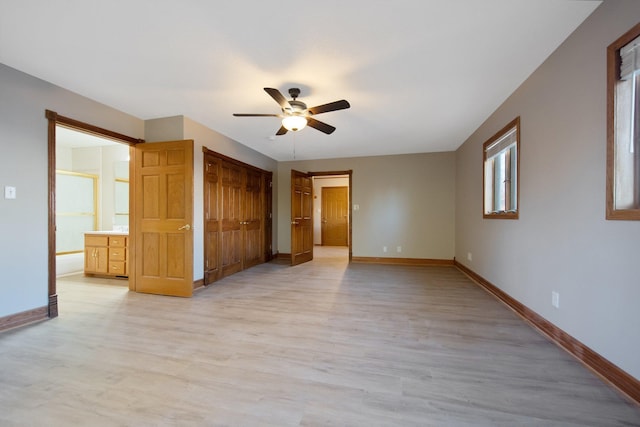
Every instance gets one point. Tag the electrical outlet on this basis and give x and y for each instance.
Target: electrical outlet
(469, 257)
(399, 248)
(555, 299)
(384, 249)
(9, 192)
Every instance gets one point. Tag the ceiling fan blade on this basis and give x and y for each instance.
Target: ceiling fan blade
(321, 126)
(279, 98)
(255, 115)
(332, 106)
(281, 131)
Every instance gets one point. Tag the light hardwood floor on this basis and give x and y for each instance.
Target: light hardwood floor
(324, 343)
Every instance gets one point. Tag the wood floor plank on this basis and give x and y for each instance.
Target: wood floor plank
(323, 343)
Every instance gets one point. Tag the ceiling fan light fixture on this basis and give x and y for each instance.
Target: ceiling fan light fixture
(294, 123)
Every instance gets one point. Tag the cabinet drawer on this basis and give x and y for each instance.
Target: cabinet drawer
(117, 254)
(117, 267)
(93, 240)
(120, 241)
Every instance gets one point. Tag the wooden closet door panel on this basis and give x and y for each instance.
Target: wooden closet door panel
(267, 216)
(253, 213)
(230, 217)
(212, 233)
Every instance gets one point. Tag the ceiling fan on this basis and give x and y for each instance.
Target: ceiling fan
(295, 114)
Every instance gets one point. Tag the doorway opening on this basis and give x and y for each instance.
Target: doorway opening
(92, 199)
(331, 215)
(88, 193)
(318, 221)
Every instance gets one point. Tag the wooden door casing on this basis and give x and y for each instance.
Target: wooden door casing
(163, 198)
(335, 216)
(301, 217)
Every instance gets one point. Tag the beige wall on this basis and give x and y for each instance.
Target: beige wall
(562, 241)
(404, 200)
(23, 164)
(178, 128)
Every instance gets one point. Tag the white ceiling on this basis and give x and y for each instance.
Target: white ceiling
(421, 75)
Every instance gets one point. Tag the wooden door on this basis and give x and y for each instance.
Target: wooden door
(335, 214)
(211, 219)
(230, 218)
(163, 211)
(301, 217)
(252, 209)
(267, 215)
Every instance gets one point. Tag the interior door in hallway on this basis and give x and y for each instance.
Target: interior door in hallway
(163, 214)
(301, 217)
(335, 214)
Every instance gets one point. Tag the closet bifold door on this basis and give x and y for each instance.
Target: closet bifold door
(237, 216)
(211, 219)
(252, 217)
(230, 217)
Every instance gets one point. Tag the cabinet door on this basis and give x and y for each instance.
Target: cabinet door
(95, 260)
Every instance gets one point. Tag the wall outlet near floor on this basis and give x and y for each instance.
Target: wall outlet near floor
(384, 249)
(555, 299)
(9, 192)
(399, 248)
(469, 257)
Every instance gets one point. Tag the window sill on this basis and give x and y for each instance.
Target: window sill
(624, 214)
(501, 215)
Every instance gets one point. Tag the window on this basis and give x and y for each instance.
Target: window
(76, 207)
(623, 127)
(501, 164)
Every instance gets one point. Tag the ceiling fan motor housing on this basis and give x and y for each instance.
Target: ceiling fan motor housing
(297, 107)
(294, 92)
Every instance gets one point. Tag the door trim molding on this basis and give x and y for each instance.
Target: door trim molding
(55, 119)
(234, 161)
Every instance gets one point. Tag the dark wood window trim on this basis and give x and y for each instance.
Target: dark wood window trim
(613, 73)
(515, 123)
(55, 119)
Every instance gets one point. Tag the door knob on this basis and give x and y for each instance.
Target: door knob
(294, 222)
(185, 227)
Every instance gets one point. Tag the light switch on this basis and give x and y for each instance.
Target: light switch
(9, 192)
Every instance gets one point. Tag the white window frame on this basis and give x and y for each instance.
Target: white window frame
(501, 173)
